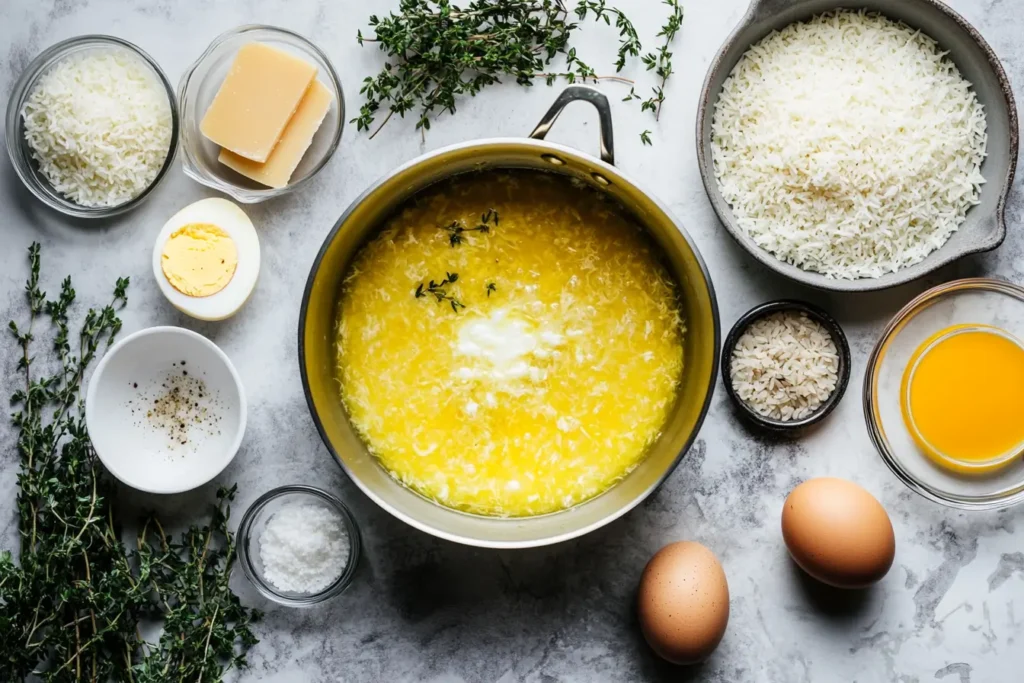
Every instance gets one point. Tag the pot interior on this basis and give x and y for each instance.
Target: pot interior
(317, 348)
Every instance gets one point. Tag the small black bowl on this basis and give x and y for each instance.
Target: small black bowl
(814, 313)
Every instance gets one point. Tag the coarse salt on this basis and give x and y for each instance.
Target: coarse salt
(304, 548)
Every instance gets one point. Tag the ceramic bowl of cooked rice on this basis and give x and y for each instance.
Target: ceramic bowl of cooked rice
(857, 147)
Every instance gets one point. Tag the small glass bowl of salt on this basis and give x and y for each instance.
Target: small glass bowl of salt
(298, 545)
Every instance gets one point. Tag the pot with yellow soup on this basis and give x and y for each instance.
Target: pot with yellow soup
(507, 343)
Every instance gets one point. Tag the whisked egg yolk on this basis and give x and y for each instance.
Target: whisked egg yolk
(963, 398)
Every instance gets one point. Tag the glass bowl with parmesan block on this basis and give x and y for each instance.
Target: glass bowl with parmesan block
(298, 545)
(92, 126)
(262, 113)
(944, 394)
(786, 365)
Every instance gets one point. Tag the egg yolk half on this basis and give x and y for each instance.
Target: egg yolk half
(963, 398)
(199, 259)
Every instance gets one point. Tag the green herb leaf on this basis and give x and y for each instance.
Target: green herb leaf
(661, 63)
(456, 230)
(72, 608)
(439, 52)
(440, 291)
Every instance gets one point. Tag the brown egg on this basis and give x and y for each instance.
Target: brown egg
(683, 602)
(838, 533)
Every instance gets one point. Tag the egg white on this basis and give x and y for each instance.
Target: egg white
(231, 219)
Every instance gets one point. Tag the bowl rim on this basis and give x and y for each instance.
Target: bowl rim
(166, 330)
(818, 315)
(248, 195)
(876, 431)
(15, 125)
(705, 165)
(265, 588)
(541, 146)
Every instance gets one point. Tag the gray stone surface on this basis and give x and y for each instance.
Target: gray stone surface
(951, 609)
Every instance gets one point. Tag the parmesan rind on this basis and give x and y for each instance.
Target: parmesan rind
(848, 145)
(99, 127)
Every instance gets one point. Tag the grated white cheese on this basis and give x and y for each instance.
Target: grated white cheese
(784, 366)
(849, 145)
(99, 126)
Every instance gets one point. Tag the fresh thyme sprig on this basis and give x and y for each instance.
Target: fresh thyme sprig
(440, 292)
(206, 629)
(72, 607)
(661, 63)
(629, 41)
(456, 229)
(440, 51)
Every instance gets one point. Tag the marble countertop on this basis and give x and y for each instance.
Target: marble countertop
(421, 609)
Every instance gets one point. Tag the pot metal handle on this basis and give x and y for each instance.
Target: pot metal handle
(604, 112)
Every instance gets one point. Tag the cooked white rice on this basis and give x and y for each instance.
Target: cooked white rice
(784, 366)
(848, 145)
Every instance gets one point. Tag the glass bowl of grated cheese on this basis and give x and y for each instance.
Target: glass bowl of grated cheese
(298, 545)
(92, 126)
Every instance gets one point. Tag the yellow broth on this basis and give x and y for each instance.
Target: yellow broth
(540, 376)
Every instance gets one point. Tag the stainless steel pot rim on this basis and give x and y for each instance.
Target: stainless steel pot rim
(542, 147)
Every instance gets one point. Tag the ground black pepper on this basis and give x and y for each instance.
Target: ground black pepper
(180, 407)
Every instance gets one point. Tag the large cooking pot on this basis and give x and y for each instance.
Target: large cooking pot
(317, 327)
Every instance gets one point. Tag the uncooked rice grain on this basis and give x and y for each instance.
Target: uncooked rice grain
(784, 366)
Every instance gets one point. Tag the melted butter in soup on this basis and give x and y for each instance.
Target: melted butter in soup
(540, 365)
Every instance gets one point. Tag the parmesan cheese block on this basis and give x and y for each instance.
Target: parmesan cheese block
(256, 100)
(277, 170)
(549, 385)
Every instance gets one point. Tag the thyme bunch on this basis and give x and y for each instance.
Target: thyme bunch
(206, 630)
(72, 606)
(439, 51)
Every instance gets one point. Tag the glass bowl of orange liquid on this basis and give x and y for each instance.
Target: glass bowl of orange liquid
(944, 394)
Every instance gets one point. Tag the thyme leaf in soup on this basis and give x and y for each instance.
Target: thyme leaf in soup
(456, 229)
(439, 290)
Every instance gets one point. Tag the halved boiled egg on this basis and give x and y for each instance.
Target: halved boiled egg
(206, 259)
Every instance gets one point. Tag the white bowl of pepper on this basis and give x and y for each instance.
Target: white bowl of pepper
(165, 410)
